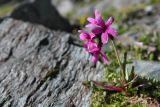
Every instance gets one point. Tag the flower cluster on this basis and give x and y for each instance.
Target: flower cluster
(99, 35)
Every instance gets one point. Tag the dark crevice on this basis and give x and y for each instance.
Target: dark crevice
(5, 100)
(26, 37)
(2, 103)
(65, 52)
(53, 72)
(9, 55)
(11, 104)
(74, 42)
(42, 43)
(32, 93)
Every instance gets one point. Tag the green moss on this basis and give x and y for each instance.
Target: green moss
(137, 105)
(144, 39)
(154, 1)
(122, 28)
(5, 9)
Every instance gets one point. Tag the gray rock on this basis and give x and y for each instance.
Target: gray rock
(130, 38)
(148, 17)
(43, 68)
(147, 69)
(41, 12)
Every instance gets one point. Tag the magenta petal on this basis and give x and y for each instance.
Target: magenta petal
(92, 47)
(97, 14)
(92, 50)
(112, 31)
(104, 37)
(99, 18)
(92, 35)
(104, 57)
(84, 36)
(91, 20)
(97, 30)
(82, 31)
(95, 57)
(90, 25)
(110, 21)
(100, 21)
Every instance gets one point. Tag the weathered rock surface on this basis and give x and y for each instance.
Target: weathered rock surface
(41, 12)
(43, 68)
(147, 69)
(147, 18)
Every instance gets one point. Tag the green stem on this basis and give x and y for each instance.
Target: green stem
(119, 61)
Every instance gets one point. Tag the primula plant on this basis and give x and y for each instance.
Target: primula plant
(101, 33)
(127, 83)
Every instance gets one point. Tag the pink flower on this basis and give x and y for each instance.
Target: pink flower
(98, 21)
(95, 50)
(95, 57)
(86, 36)
(92, 47)
(100, 27)
(100, 33)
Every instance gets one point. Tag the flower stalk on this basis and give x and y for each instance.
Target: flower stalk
(122, 71)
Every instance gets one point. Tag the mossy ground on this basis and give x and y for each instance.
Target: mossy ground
(146, 96)
(137, 97)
